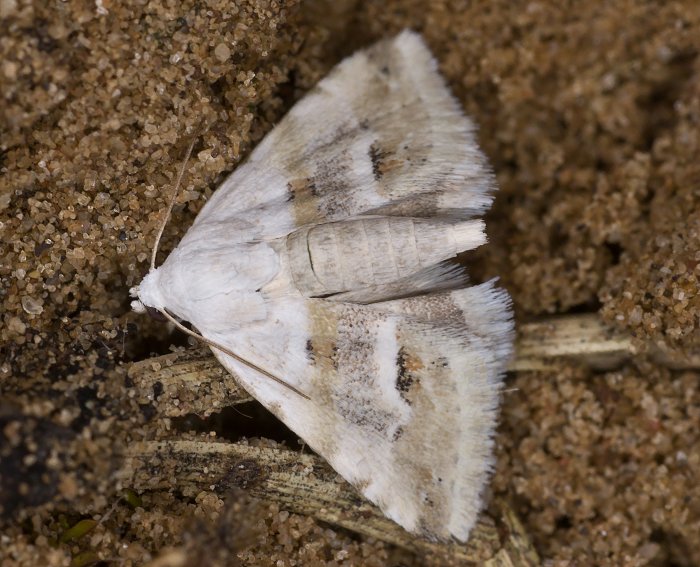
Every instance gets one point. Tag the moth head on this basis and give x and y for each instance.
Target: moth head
(148, 294)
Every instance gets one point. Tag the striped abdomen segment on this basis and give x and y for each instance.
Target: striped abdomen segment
(355, 254)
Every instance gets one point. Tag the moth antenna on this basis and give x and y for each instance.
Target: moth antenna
(232, 354)
(171, 204)
(239, 412)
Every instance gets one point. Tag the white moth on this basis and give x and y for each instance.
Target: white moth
(321, 263)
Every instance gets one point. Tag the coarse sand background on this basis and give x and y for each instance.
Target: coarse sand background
(590, 115)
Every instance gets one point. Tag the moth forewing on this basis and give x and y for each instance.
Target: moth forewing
(323, 261)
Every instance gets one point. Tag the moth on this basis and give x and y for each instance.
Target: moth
(320, 272)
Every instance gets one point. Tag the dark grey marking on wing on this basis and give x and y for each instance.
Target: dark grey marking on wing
(332, 185)
(310, 353)
(376, 155)
(362, 415)
(334, 356)
(404, 379)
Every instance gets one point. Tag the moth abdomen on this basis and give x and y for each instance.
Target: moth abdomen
(350, 255)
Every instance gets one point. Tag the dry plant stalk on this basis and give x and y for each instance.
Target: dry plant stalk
(585, 339)
(305, 484)
(543, 344)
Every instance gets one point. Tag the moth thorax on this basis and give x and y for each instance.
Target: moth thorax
(352, 255)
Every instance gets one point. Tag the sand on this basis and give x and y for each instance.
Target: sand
(590, 115)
